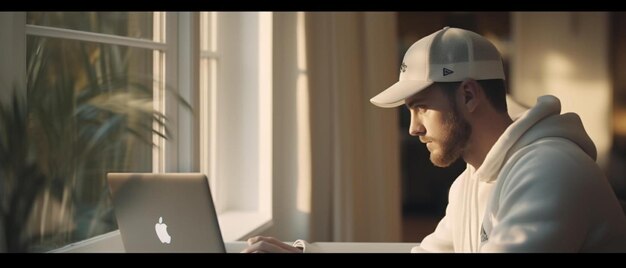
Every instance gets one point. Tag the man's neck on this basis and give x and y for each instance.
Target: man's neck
(484, 135)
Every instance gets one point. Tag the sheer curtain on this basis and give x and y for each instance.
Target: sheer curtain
(355, 176)
(336, 156)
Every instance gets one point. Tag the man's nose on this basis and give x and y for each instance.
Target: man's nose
(416, 128)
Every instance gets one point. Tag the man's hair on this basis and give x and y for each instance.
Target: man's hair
(495, 90)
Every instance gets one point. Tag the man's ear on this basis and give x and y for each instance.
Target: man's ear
(471, 94)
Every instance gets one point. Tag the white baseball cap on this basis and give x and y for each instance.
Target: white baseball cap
(448, 55)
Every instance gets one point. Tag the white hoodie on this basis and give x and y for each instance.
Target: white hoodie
(538, 190)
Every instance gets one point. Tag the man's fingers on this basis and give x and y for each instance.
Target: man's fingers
(263, 246)
(252, 240)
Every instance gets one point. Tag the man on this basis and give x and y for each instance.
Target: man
(531, 185)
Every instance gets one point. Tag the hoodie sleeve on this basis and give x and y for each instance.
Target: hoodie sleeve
(438, 241)
(441, 240)
(542, 203)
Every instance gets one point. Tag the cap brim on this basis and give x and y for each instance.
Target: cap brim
(394, 95)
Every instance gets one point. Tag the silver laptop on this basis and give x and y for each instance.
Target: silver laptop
(171, 212)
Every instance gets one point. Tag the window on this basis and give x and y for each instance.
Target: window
(109, 85)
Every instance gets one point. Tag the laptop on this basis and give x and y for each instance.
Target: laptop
(172, 212)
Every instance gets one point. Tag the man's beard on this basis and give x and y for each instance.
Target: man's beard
(456, 135)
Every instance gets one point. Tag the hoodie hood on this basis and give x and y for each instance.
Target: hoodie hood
(542, 121)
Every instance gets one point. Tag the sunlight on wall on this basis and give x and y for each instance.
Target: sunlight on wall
(590, 99)
(304, 131)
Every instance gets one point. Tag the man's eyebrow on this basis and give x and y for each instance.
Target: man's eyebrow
(413, 101)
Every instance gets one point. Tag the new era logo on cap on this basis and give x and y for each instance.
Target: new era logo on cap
(447, 71)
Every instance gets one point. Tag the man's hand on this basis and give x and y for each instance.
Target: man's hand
(264, 244)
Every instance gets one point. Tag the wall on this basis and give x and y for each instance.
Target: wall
(289, 221)
(566, 54)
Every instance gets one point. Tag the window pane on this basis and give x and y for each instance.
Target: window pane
(90, 111)
(129, 24)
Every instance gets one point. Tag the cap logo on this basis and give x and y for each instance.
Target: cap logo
(447, 71)
(403, 67)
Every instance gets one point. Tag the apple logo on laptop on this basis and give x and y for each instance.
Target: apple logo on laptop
(161, 230)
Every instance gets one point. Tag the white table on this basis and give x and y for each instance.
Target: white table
(343, 247)
(112, 243)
